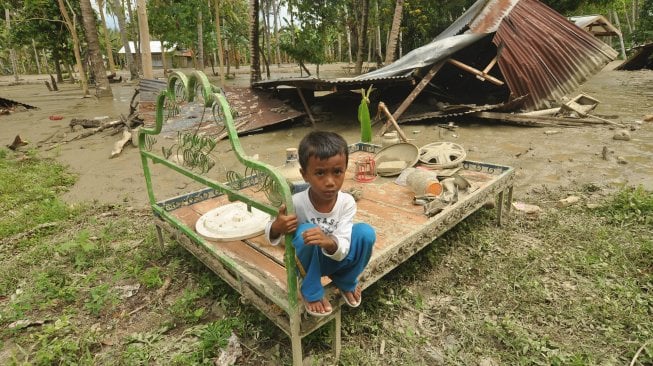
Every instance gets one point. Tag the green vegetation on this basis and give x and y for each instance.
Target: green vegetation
(570, 287)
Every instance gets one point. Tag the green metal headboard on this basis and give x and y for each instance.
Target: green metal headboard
(198, 83)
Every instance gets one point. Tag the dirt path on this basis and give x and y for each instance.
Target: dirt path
(571, 157)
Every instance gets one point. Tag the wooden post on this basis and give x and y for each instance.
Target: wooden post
(308, 110)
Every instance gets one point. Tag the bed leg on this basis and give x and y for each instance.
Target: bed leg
(509, 200)
(500, 204)
(337, 334)
(159, 235)
(296, 338)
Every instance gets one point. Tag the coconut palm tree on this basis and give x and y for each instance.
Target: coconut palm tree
(102, 87)
(255, 65)
(105, 32)
(394, 33)
(362, 36)
(129, 59)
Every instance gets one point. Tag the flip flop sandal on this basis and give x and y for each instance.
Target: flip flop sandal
(349, 303)
(315, 313)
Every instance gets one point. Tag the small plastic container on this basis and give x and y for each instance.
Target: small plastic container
(389, 138)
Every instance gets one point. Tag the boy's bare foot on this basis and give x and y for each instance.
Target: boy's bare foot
(320, 307)
(353, 298)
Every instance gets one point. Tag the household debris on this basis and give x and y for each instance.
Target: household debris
(527, 208)
(566, 202)
(18, 142)
(639, 59)
(623, 135)
(435, 186)
(8, 106)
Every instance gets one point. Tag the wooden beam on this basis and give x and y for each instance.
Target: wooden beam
(479, 74)
(384, 109)
(413, 95)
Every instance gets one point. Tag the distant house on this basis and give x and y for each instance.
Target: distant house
(175, 57)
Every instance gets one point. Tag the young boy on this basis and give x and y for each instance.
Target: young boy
(326, 240)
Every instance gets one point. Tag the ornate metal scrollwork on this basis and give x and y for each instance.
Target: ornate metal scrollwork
(193, 151)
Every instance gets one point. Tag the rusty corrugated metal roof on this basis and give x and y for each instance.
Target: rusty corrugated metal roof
(545, 56)
(341, 84)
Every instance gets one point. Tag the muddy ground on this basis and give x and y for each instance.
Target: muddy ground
(569, 158)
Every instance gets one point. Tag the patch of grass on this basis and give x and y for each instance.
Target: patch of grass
(151, 277)
(29, 190)
(100, 298)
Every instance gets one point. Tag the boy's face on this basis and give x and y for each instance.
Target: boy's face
(325, 177)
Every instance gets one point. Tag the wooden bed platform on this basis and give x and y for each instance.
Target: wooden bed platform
(265, 275)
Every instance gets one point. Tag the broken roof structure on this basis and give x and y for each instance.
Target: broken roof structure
(642, 58)
(517, 54)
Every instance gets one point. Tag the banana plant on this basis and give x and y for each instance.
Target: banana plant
(364, 115)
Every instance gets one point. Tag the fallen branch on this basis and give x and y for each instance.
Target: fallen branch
(632, 362)
(543, 121)
(120, 144)
(88, 133)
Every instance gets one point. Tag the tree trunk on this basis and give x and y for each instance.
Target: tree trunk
(105, 33)
(12, 52)
(46, 62)
(391, 48)
(218, 37)
(36, 57)
(276, 6)
(349, 57)
(164, 63)
(627, 17)
(134, 34)
(102, 87)
(362, 36)
(78, 57)
(144, 30)
(200, 41)
(129, 58)
(379, 51)
(266, 35)
(255, 65)
(621, 37)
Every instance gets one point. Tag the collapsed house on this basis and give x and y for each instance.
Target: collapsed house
(641, 58)
(510, 55)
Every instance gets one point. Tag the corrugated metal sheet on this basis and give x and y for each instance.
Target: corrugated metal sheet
(316, 84)
(252, 109)
(545, 56)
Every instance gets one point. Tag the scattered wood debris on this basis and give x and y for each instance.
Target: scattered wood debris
(18, 142)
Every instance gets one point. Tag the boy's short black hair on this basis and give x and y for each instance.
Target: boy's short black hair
(322, 145)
